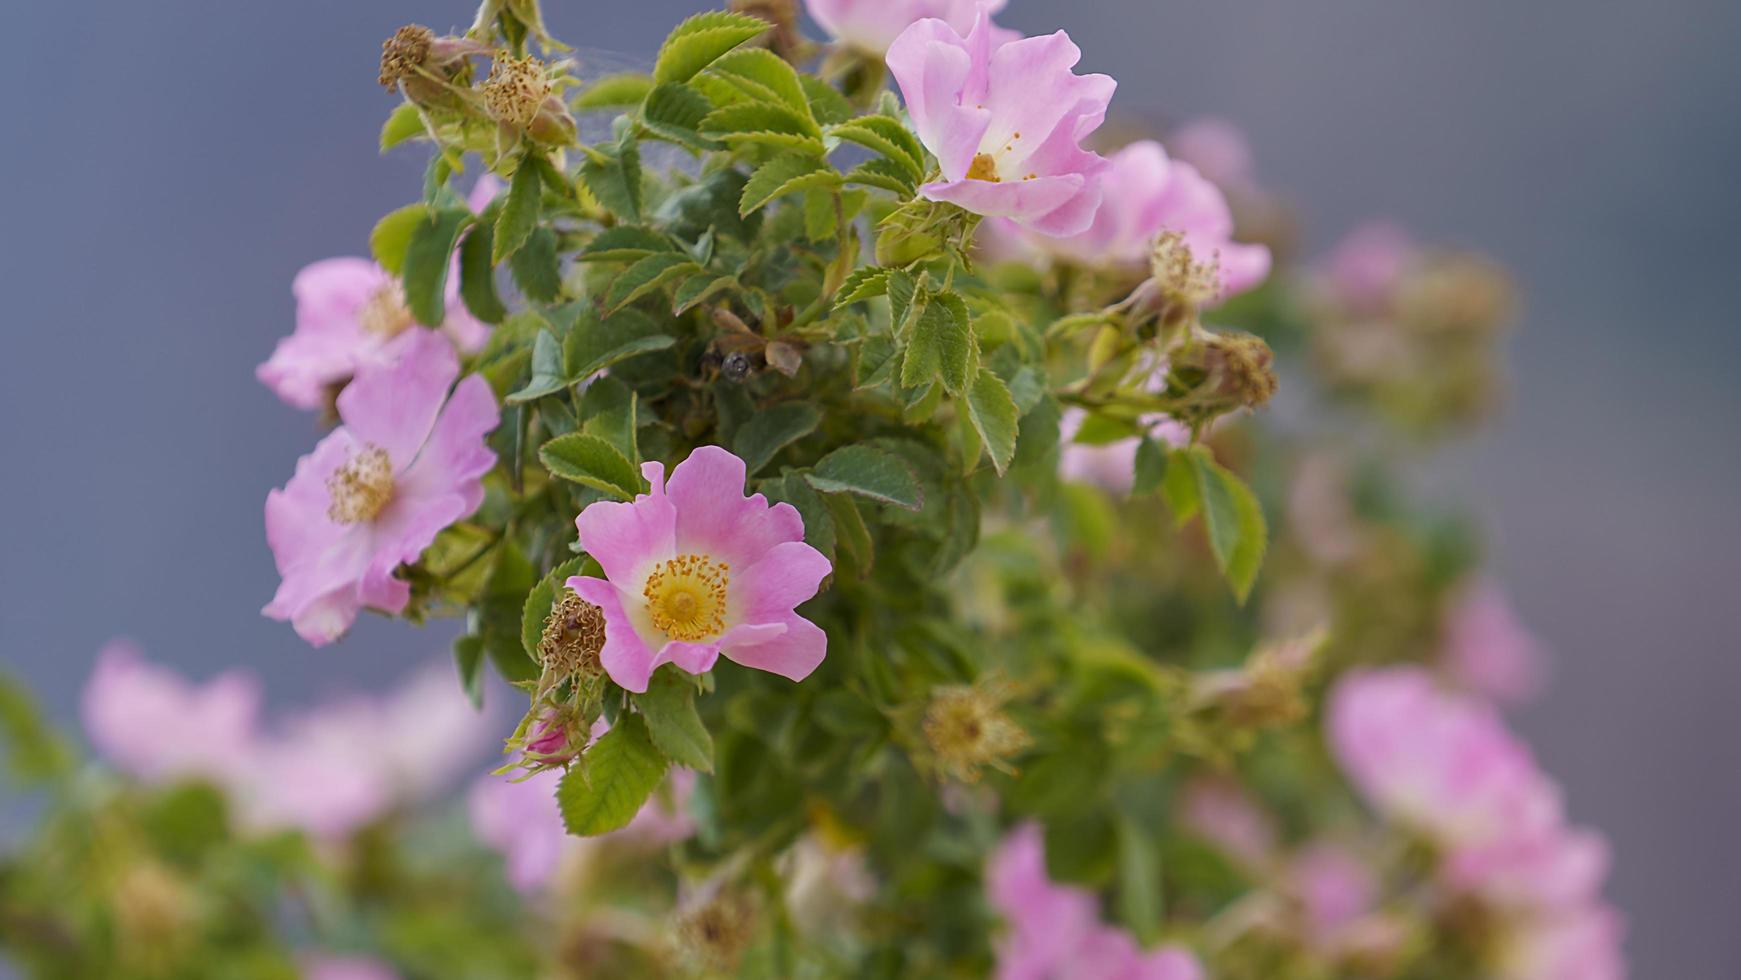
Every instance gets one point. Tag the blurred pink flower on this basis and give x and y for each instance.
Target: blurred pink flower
(1054, 930)
(407, 462)
(1219, 810)
(1110, 466)
(1218, 149)
(701, 571)
(152, 723)
(328, 967)
(351, 314)
(1005, 121)
(1487, 651)
(519, 818)
(872, 25)
(1580, 944)
(1364, 269)
(1335, 890)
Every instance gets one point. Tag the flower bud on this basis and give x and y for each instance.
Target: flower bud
(967, 730)
(555, 738)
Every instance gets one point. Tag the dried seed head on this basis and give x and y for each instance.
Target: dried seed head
(1222, 373)
(404, 53)
(516, 90)
(574, 633)
(715, 933)
(1185, 279)
(967, 730)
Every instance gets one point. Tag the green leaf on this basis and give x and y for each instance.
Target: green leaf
(763, 122)
(34, 751)
(645, 276)
(535, 267)
(887, 136)
(392, 236)
(624, 243)
(827, 105)
(850, 531)
(903, 291)
(864, 283)
(615, 179)
(676, 729)
(427, 261)
(818, 525)
(994, 417)
(618, 91)
(697, 289)
(869, 473)
(765, 76)
(594, 344)
(548, 373)
(1139, 880)
(1151, 468)
(784, 175)
(700, 40)
(541, 600)
(1234, 519)
(675, 112)
(609, 410)
(405, 123)
(613, 779)
(495, 620)
(1179, 487)
(773, 429)
(591, 461)
(941, 347)
(876, 361)
(884, 173)
(519, 215)
(477, 276)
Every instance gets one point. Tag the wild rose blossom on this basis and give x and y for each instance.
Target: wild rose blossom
(1487, 650)
(407, 462)
(1054, 930)
(1221, 812)
(152, 723)
(694, 569)
(872, 25)
(1005, 122)
(351, 314)
(1363, 271)
(329, 967)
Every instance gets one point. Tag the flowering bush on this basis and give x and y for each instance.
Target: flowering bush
(867, 520)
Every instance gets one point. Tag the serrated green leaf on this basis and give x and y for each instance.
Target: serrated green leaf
(591, 461)
(615, 180)
(994, 417)
(864, 283)
(624, 243)
(941, 346)
(645, 276)
(886, 136)
(404, 123)
(519, 214)
(673, 724)
(548, 373)
(784, 175)
(827, 105)
(1179, 487)
(612, 781)
(535, 266)
(748, 118)
(876, 361)
(869, 473)
(884, 173)
(771, 430)
(1234, 519)
(696, 290)
(903, 291)
(765, 76)
(541, 600)
(618, 91)
(477, 276)
(700, 40)
(427, 261)
(1151, 468)
(675, 112)
(609, 410)
(391, 236)
(594, 344)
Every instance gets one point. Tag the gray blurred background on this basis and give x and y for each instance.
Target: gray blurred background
(171, 166)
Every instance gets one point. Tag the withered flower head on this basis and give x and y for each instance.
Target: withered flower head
(574, 633)
(967, 730)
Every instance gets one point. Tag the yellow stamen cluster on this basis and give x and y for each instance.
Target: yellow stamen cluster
(516, 90)
(404, 53)
(686, 597)
(384, 315)
(983, 167)
(1182, 278)
(574, 633)
(362, 487)
(968, 730)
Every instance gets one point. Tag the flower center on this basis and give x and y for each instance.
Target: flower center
(983, 167)
(385, 314)
(686, 597)
(362, 487)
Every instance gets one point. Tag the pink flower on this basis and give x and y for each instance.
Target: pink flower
(1005, 122)
(327, 967)
(407, 462)
(1218, 149)
(1363, 271)
(1110, 466)
(1487, 651)
(153, 724)
(1582, 944)
(1143, 194)
(695, 569)
(1054, 930)
(351, 314)
(873, 25)
(1220, 811)
(1335, 889)
(521, 820)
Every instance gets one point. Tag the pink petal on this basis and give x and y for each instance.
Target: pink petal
(456, 457)
(787, 575)
(395, 406)
(933, 67)
(627, 657)
(793, 654)
(320, 561)
(714, 518)
(629, 538)
(1022, 200)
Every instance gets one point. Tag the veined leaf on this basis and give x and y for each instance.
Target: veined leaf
(535, 268)
(765, 76)
(674, 112)
(886, 174)
(405, 123)
(477, 276)
(697, 289)
(591, 461)
(941, 346)
(827, 105)
(994, 417)
(615, 180)
(392, 236)
(645, 276)
(772, 429)
(612, 781)
(427, 260)
(594, 344)
(887, 136)
(784, 175)
(864, 283)
(700, 40)
(548, 374)
(751, 117)
(618, 91)
(519, 214)
(624, 243)
(869, 473)
(1234, 520)
(609, 410)
(675, 728)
